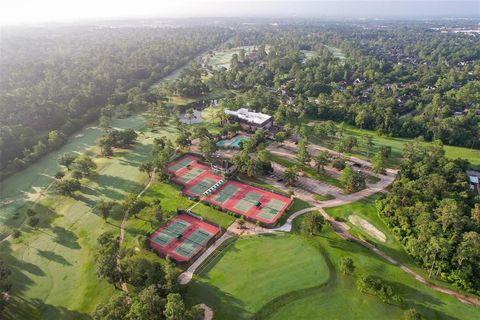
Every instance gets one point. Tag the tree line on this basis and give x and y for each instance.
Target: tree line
(55, 80)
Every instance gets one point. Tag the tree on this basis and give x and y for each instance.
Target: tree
(66, 160)
(104, 123)
(147, 167)
(67, 187)
(106, 258)
(148, 304)
(378, 163)
(59, 175)
(312, 223)
(104, 208)
(302, 153)
(106, 146)
(290, 175)
(174, 308)
(321, 160)
(116, 308)
(190, 115)
(412, 314)
(5, 285)
(132, 205)
(347, 266)
(85, 165)
(352, 181)
(208, 147)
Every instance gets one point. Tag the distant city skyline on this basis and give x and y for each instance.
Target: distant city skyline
(31, 11)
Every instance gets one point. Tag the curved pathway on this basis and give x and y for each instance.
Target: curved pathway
(340, 228)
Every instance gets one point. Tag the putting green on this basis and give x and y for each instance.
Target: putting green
(255, 270)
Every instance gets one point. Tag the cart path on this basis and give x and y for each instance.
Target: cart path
(151, 176)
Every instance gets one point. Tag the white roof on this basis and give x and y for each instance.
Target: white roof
(247, 115)
(473, 179)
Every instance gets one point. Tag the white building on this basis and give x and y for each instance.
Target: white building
(249, 120)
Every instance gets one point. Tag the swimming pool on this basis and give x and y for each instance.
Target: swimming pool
(236, 142)
(233, 143)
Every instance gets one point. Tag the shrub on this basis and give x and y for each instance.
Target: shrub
(33, 221)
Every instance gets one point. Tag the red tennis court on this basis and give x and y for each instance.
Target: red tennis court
(252, 202)
(183, 237)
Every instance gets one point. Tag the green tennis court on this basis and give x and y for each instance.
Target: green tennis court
(202, 186)
(226, 193)
(193, 242)
(271, 209)
(192, 174)
(181, 164)
(164, 237)
(250, 199)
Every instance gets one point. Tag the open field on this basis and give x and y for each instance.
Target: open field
(397, 145)
(337, 53)
(278, 293)
(58, 257)
(25, 186)
(254, 271)
(222, 58)
(341, 300)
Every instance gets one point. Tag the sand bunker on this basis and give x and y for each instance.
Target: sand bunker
(367, 227)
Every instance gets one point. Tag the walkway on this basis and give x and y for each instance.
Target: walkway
(304, 192)
(151, 176)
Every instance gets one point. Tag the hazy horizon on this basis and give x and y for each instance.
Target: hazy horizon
(30, 11)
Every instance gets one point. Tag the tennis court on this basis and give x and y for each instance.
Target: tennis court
(170, 232)
(241, 198)
(250, 201)
(182, 237)
(201, 186)
(181, 163)
(189, 175)
(226, 193)
(196, 240)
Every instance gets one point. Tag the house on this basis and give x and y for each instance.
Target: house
(474, 180)
(249, 120)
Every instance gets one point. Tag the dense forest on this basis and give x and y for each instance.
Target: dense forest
(405, 81)
(56, 80)
(431, 209)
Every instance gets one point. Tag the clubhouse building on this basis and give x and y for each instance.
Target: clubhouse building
(249, 120)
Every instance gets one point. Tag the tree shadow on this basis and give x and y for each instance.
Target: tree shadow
(20, 308)
(66, 238)
(52, 256)
(226, 306)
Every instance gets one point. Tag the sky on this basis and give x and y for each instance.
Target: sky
(34, 11)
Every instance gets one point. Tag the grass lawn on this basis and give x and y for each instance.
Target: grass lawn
(366, 209)
(397, 145)
(54, 265)
(255, 270)
(171, 198)
(222, 58)
(250, 279)
(296, 205)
